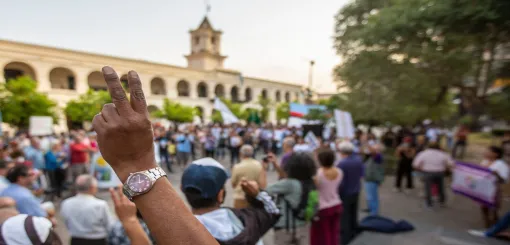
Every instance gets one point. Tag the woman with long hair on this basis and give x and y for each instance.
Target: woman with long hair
(292, 191)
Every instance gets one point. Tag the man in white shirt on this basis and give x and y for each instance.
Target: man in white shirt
(21, 229)
(87, 218)
(433, 163)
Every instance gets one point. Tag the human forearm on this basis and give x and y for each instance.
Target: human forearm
(163, 203)
(279, 170)
(135, 232)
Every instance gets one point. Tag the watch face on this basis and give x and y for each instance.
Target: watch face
(139, 183)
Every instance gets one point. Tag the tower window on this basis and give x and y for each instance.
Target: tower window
(197, 40)
(213, 40)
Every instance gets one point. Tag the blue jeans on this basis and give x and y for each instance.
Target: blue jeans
(372, 195)
(502, 224)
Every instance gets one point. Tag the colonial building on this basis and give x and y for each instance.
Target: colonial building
(65, 74)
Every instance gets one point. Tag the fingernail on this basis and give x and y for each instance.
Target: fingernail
(133, 74)
(107, 70)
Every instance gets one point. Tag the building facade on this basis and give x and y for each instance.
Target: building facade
(66, 74)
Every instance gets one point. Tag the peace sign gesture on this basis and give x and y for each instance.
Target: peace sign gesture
(124, 132)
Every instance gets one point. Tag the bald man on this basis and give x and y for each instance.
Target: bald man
(87, 218)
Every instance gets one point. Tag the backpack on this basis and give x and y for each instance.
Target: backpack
(374, 172)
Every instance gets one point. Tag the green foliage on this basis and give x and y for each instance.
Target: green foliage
(282, 111)
(19, 100)
(86, 106)
(216, 117)
(402, 57)
(175, 112)
(337, 101)
(264, 104)
(499, 105)
(317, 114)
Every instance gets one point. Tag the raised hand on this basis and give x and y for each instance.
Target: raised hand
(125, 209)
(124, 132)
(250, 188)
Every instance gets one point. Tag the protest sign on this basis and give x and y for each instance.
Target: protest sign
(475, 182)
(344, 124)
(40, 126)
(101, 170)
(312, 140)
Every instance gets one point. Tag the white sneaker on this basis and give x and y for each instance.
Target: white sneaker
(477, 233)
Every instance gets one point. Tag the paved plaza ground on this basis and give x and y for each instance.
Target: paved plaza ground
(446, 226)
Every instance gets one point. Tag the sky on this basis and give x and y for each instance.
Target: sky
(272, 39)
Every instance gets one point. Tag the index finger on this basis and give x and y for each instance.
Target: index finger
(115, 199)
(116, 90)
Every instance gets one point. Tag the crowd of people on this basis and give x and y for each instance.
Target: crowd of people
(314, 201)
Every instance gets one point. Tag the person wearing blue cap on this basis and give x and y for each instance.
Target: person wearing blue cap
(203, 184)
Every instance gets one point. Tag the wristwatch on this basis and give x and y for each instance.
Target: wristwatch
(141, 182)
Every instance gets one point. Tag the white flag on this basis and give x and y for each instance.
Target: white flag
(226, 114)
(344, 124)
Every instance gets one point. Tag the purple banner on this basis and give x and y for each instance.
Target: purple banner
(475, 182)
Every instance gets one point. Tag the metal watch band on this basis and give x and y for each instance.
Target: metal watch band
(153, 174)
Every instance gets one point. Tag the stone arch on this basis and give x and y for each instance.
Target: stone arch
(96, 81)
(247, 94)
(263, 93)
(152, 108)
(17, 69)
(200, 112)
(124, 81)
(234, 94)
(287, 97)
(278, 96)
(183, 88)
(219, 90)
(202, 90)
(158, 86)
(62, 78)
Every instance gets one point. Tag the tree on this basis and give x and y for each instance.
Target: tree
(282, 111)
(175, 112)
(86, 106)
(19, 100)
(404, 56)
(499, 105)
(318, 114)
(264, 104)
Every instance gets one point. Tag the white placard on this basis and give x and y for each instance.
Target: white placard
(101, 170)
(40, 126)
(344, 124)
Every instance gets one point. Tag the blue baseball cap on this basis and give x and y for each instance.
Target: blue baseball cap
(205, 175)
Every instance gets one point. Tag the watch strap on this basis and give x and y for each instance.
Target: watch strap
(153, 174)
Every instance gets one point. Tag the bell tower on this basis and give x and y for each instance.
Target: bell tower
(205, 47)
